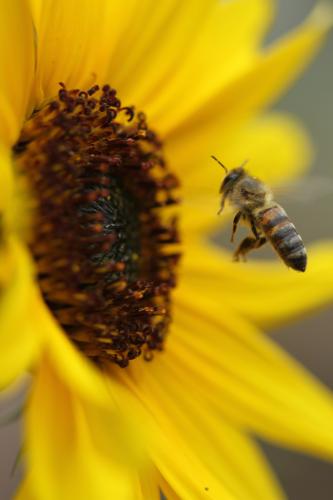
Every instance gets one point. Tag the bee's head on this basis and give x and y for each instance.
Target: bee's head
(231, 179)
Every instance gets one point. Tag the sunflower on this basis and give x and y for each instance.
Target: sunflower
(148, 369)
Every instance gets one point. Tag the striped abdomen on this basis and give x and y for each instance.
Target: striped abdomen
(283, 235)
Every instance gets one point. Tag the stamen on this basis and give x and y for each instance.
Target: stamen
(105, 247)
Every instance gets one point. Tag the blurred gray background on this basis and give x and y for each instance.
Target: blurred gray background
(310, 340)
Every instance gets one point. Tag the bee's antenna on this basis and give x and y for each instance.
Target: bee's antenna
(244, 163)
(220, 163)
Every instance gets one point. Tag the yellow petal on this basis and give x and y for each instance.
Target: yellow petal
(202, 44)
(17, 67)
(188, 476)
(75, 42)
(65, 456)
(167, 491)
(6, 187)
(184, 471)
(268, 293)
(112, 45)
(275, 145)
(150, 485)
(187, 418)
(249, 379)
(25, 490)
(19, 341)
(75, 370)
(272, 72)
(198, 217)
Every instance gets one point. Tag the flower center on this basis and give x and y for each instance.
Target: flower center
(104, 234)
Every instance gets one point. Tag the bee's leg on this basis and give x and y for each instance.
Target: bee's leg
(222, 205)
(247, 245)
(254, 228)
(235, 224)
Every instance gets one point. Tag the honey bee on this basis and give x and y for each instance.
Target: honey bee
(268, 221)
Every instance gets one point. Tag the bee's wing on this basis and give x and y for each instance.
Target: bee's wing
(306, 189)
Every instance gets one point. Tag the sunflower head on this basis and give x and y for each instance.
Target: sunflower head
(105, 253)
